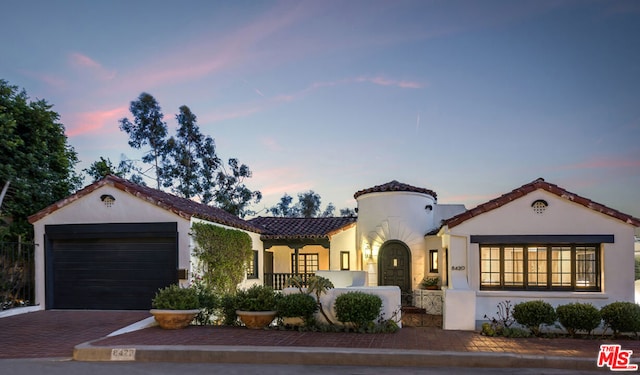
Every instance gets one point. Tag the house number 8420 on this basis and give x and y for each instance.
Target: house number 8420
(457, 268)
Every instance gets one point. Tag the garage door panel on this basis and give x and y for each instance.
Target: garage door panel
(103, 271)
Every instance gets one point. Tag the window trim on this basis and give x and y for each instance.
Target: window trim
(345, 263)
(548, 260)
(300, 257)
(252, 272)
(433, 261)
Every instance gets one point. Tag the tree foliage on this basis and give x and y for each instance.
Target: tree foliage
(223, 255)
(309, 205)
(187, 163)
(100, 169)
(147, 129)
(34, 157)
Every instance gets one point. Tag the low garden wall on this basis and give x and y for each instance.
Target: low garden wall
(390, 296)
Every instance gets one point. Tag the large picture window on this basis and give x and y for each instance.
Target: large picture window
(550, 267)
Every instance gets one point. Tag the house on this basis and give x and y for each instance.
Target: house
(112, 244)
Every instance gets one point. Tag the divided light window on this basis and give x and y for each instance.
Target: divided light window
(529, 267)
(307, 263)
(252, 267)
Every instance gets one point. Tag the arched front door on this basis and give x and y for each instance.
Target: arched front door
(394, 268)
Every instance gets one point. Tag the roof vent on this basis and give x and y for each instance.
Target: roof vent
(539, 206)
(107, 199)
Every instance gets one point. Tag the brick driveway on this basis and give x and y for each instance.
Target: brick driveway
(54, 333)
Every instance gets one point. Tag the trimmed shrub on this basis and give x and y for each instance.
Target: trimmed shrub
(622, 317)
(175, 297)
(576, 317)
(257, 298)
(358, 308)
(297, 305)
(533, 314)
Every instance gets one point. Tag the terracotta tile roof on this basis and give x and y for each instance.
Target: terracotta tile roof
(395, 186)
(533, 186)
(183, 207)
(279, 228)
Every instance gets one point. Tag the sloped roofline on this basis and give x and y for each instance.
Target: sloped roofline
(395, 186)
(298, 228)
(540, 184)
(183, 207)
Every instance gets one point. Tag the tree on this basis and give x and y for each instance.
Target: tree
(191, 160)
(34, 157)
(308, 205)
(148, 128)
(101, 168)
(187, 163)
(233, 195)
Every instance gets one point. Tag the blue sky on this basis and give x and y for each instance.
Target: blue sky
(468, 98)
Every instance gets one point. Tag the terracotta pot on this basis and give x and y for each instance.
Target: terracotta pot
(256, 319)
(174, 319)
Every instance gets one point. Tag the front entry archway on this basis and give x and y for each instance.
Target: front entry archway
(394, 268)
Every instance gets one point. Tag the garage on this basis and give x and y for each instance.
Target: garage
(109, 266)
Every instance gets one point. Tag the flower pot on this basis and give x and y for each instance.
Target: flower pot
(294, 321)
(256, 319)
(173, 319)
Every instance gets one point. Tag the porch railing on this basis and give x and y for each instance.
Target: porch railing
(17, 275)
(277, 280)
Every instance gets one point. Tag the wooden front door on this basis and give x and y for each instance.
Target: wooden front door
(394, 268)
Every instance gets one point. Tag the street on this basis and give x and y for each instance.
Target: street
(69, 367)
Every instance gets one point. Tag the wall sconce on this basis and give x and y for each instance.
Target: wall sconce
(107, 199)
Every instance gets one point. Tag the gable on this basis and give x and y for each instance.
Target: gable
(541, 190)
(183, 207)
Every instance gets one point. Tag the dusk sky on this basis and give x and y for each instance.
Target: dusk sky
(470, 99)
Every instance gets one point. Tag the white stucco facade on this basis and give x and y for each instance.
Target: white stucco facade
(561, 217)
(126, 208)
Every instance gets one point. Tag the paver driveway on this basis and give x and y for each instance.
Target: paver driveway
(54, 333)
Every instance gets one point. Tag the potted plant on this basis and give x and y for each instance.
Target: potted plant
(257, 306)
(297, 309)
(430, 283)
(175, 307)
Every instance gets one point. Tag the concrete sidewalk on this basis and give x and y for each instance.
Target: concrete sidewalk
(83, 335)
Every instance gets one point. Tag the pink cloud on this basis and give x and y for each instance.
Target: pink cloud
(85, 62)
(48, 79)
(96, 122)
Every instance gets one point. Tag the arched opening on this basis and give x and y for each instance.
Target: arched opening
(394, 268)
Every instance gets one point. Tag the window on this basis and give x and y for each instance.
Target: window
(433, 261)
(344, 260)
(307, 263)
(252, 267)
(529, 267)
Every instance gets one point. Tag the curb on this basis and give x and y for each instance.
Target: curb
(323, 356)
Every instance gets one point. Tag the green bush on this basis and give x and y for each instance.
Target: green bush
(622, 317)
(228, 307)
(533, 314)
(208, 302)
(257, 298)
(576, 317)
(297, 305)
(358, 308)
(175, 297)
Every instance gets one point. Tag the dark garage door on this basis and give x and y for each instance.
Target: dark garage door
(109, 266)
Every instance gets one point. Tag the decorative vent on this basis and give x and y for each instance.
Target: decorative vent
(539, 206)
(108, 200)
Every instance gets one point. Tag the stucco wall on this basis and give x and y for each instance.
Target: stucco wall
(343, 241)
(560, 217)
(398, 216)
